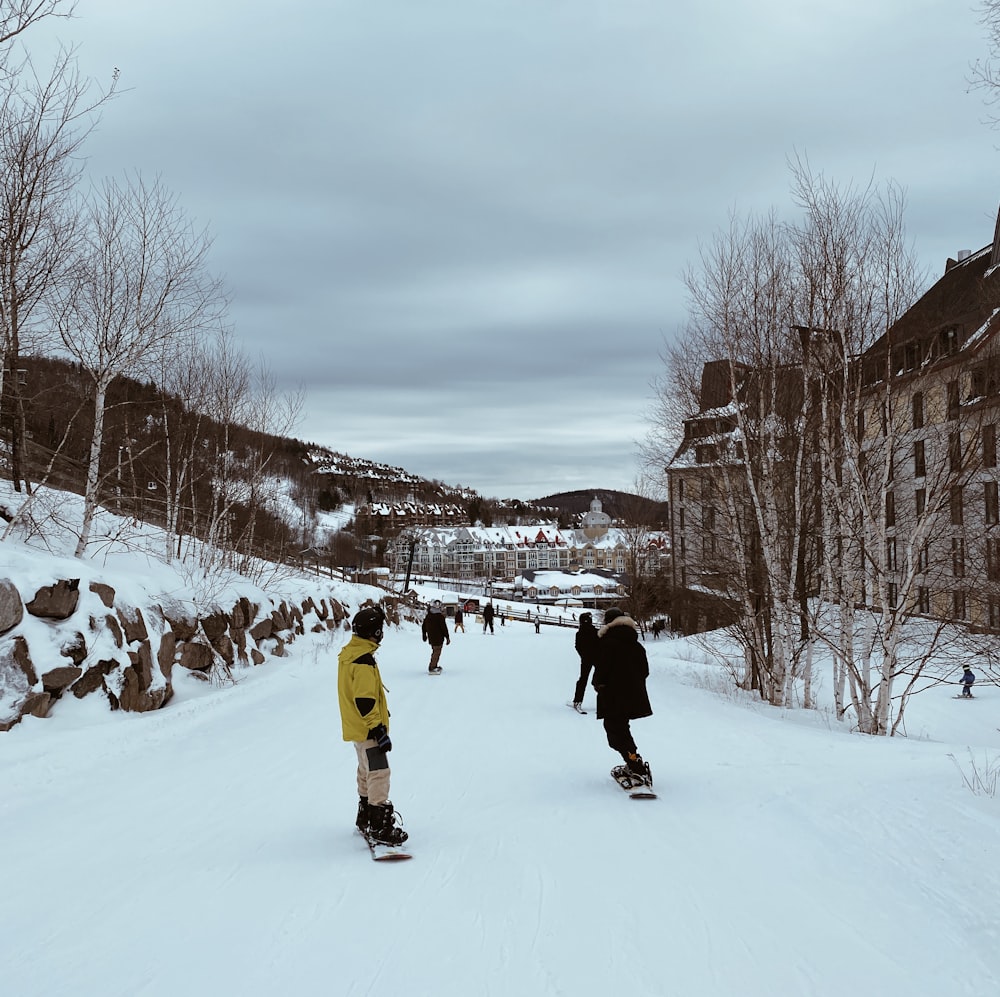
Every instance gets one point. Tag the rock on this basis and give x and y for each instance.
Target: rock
(93, 678)
(11, 607)
(58, 679)
(215, 625)
(56, 602)
(165, 655)
(105, 592)
(75, 648)
(133, 624)
(196, 656)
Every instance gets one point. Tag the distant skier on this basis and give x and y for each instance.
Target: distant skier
(488, 617)
(968, 677)
(586, 642)
(435, 632)
(620, 680)
(364, 717)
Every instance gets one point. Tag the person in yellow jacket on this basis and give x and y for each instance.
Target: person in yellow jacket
(364, 717)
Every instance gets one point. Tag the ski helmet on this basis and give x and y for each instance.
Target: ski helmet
(368, 623)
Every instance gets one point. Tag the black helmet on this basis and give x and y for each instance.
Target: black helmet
(368, 623)
(586, 618)
(612, 614)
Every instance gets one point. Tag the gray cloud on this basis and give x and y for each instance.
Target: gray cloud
(463, 227)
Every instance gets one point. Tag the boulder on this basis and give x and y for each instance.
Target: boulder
(75, 648)
(262, 629)
(215, 625)
(11, 607)
(58, 679)
(133, 624)
(165, 655)
(56, 602)
(104, 592)
(196, 656)
(93, 678)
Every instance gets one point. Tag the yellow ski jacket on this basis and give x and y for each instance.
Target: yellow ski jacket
(360, 689)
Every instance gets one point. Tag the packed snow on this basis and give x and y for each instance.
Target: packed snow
(209, 848)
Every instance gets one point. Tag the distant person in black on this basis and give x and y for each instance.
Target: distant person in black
(488, 617)
(620, 680)
(435, 632)
(586, 641)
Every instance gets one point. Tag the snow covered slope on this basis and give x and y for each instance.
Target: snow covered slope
(209, 848)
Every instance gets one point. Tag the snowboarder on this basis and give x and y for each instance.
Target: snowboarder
(435, 632)
(968, 677)
(620, 676)
(488, 617)
(364, 717)
(586, 646)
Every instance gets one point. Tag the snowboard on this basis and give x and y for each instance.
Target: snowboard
(960, 696)
(385, 853)
(637, 789)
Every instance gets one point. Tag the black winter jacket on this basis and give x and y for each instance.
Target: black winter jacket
(587, 643)
(621, 671)
(435, 629)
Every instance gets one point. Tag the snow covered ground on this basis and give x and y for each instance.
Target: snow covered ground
(208, 848)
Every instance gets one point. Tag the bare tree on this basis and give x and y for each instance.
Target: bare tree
(44, 122)
(16, 16)
(140, 283)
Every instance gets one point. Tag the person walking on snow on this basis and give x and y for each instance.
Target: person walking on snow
(459, 620)
(620, 676)
(364, 717)
(435, 633)
(488, 617)
(968, 677)
(586, 642)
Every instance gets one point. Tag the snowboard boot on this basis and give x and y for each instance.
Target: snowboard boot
(638, 769)
(382, 827)
(578, 707)
(364, 816)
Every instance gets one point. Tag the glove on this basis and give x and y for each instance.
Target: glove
(381, 736)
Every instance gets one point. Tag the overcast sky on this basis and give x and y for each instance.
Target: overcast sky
(461, 225)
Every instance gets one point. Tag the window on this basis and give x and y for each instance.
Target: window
(890, 554)
(953, 400)
(890, 509)
(861, 425)
(920, 495)
(891, 594)
(680, 490)
(993, 560)
(923, 600)
(990, 445)
(955, 452)
(919, 460)
(958, 604)
(924, 557)
(680, 518)
(993, 605)
(992, 505)
(955, 502)
(918, 410)
(958, 557)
